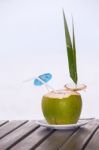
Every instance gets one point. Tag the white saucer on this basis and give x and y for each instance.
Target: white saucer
(80, 123)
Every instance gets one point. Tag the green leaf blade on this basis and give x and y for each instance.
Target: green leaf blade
(71, 52)
(67, 35)
(74, 56)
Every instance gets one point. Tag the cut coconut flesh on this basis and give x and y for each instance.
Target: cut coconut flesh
(60, 94)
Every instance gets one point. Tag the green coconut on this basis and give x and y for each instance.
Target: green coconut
(62, 107)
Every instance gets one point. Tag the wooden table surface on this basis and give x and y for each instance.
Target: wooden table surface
(27, 135)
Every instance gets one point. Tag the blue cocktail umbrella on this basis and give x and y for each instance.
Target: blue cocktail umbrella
(44, 77)
(41, 80)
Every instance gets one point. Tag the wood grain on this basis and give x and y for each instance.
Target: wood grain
(94, 142)
(54, 141)
(17, 135)
(2, 122)
(78, 140)
(34, 139)
(9, 127)
(27, 135)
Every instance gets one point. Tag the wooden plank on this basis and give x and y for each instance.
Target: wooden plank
(9, 127)
(55, 140)
(93, 144)
(79, 139)
(17, 135)
(34, 139)
(2, 122)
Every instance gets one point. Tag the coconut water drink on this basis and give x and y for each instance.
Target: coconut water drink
(62, 107)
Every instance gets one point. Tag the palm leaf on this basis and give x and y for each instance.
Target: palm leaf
(74, 55)
(71, 51)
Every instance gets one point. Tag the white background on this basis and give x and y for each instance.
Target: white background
(32, 42)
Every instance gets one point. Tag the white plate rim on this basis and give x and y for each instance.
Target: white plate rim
(80, 123)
